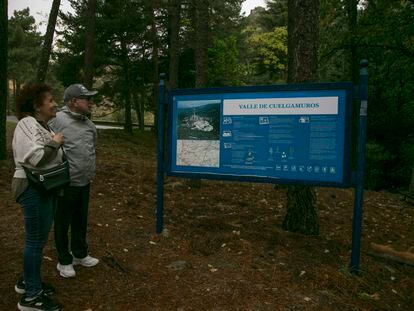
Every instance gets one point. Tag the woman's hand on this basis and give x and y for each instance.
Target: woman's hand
(58, 137)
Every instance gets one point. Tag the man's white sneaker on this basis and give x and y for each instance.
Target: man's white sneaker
(88, 261)
(66, 271)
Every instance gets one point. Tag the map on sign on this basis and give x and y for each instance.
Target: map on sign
(198, 153)
(288, 135)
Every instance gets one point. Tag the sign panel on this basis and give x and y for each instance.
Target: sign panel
(281, 134)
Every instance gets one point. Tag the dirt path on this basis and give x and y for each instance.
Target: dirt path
(225, 249)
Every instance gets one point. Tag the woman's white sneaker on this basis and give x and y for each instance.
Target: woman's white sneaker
(88, 261)
(66, 271)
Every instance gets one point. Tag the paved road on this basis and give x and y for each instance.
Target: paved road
(11, 119)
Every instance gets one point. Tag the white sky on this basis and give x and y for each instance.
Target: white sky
(40, 8)
(249, 5)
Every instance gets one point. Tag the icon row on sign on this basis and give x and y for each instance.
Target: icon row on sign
(227, 120)
(304, 168)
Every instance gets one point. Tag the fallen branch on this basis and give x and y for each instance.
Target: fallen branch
(110, 260)
(408, 196)
(386, 251)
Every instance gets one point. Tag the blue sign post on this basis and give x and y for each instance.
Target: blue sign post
(291, 134)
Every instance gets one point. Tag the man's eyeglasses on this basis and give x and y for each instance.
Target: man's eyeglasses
(85, 97)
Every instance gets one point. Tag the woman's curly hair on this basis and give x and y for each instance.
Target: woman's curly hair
(30, 97)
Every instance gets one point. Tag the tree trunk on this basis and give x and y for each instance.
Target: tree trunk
(139, 112)
(3, 78)
(18, 87)
(89, 43)
(201, 26)
(155, 60)
(303, 39)
(174, 12)
(8, 108)
(301, 216)
(128, 115)
(126, 87)
(351, 7)
(411, 188)
(200, 20)
(14, 95)
(47, 43)
(142, 109)
(352, 12)
(135, 101)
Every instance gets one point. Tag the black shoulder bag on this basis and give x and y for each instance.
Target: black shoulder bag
(50, 179)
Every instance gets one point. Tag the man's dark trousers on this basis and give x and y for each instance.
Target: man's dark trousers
(72, 211)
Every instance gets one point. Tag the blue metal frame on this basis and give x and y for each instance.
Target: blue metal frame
(164, 167)
(346, 86)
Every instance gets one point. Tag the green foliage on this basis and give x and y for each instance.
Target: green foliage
(263, 53)
(334, 47)
(269, 53)
(377, 161)
(224, 63)
(70, 45)
(276, 14)
(383, 35)
(387, 34)
(241, 51)
(24, 46)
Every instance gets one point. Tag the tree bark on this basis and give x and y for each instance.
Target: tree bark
(352, 13)
(142, 109)
(155, 60)
(174, 12)
(128, 115)
(3, 78)
(303, 41)
(18, 87)
(14, 94)
(89, 43)
(47, 43)
(351, 7)
(201, 26)
(138, 109)
(126, 87)
(200, 21)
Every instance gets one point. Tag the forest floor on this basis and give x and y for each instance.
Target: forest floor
(225, 248)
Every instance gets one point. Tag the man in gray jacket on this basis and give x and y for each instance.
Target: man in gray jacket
(72, 210)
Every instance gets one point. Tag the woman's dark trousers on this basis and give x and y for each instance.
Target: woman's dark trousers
(38, 210)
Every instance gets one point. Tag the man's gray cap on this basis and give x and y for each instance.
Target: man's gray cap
(77, 91)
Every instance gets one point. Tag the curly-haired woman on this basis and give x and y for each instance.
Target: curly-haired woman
(35, 146)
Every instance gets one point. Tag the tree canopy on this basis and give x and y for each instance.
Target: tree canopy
(210, 43)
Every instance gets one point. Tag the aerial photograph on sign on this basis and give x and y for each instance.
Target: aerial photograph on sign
(198, 133)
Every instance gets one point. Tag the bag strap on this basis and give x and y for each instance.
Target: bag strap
(64, 158)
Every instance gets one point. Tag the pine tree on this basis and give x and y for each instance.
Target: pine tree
(3, 77)
(48, 42)
(303, 30)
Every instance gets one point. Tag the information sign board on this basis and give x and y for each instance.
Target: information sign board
(281, 134)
